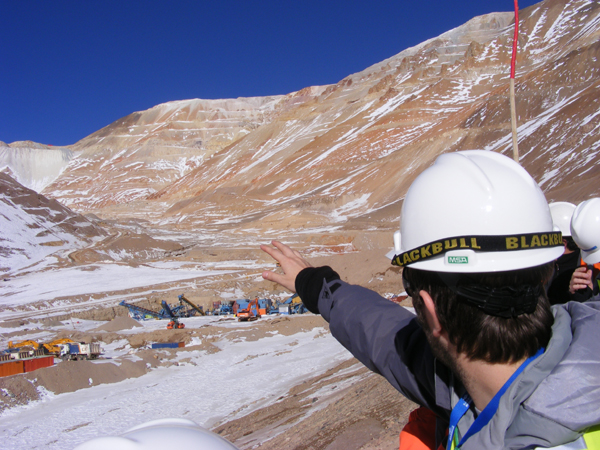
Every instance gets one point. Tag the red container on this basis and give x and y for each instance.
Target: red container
(11, 368)
(30, 365)
(181, 344)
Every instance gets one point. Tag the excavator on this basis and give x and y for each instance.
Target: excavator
(53, 348)
(174, 323)
(35, 345)
(249, 313)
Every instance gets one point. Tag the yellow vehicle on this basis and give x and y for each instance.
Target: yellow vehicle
(27, 343)
(53, 348)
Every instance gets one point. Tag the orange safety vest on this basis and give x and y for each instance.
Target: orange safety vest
(596, 266)
(419, 432)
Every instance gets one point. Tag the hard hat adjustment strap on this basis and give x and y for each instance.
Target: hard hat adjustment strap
(505, 301)
(481, 244)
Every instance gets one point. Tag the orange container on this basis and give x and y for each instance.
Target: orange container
(11, 368)
(181, 344)
(37, 363)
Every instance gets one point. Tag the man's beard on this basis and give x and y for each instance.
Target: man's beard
(438, 350)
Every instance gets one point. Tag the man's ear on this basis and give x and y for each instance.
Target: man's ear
(430, 314)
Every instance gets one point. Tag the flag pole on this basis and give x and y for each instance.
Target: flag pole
(513, 110)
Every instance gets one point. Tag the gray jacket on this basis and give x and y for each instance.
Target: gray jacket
(554, 400)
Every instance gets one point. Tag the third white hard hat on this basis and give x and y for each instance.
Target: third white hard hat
(475, 211)
(561, 216)
(585, 229)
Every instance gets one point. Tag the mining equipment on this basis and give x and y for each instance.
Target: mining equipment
(139, 313)
(222, 308)
(182, 299)
(174, 323)
(250, 312)
(291, 305)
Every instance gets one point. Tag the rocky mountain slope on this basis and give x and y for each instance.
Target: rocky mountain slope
(345, 154)
(34, 227)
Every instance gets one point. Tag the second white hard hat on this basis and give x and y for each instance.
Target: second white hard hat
(561, 216)
(475, 211)
(585, 229)
(181, 434)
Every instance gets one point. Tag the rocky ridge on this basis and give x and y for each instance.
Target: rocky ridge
(345, 154)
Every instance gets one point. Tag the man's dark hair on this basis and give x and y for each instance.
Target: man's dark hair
(481, 336)
(570, 243)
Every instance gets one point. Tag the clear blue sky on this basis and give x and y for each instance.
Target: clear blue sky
(71, 67)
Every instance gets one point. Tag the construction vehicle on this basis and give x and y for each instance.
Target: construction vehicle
(78, 350)
(53, 348)
(174, 323)
(18, 345)
(23, 349)
(196, 308)
(250, 312)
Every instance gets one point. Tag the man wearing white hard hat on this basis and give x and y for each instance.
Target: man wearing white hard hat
(585, 228)
(486, 352)
(558, 291)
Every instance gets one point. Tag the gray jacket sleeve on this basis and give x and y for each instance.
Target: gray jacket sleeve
(387, 339)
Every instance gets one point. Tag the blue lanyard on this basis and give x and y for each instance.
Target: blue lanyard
(486, 415)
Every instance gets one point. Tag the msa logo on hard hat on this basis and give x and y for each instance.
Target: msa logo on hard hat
(479, 243)
(458, 260)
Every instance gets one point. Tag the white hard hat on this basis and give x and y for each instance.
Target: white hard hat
(475, 211)
(585, 229)
(561, 216)
(180, 434)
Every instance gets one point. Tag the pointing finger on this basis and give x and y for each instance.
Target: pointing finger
(284, 249)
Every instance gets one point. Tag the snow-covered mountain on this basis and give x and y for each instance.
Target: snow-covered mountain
(34, 227)
(345, 154)
(33, 165)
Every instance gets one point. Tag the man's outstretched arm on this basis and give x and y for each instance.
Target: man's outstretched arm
(383, 336)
